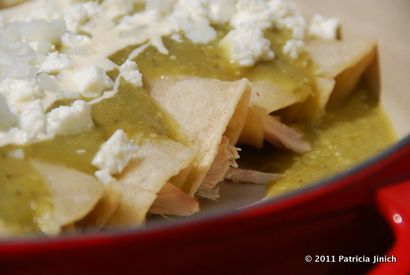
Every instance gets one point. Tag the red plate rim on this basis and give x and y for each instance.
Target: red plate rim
(327, 185)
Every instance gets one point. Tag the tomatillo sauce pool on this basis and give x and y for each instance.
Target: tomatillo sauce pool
(347, 135)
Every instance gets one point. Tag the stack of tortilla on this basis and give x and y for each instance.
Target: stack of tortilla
(165, 176)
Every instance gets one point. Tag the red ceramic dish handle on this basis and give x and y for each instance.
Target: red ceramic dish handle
(394, 204)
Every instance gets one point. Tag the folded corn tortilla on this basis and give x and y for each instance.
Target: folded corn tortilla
(339, 66)
(74, 194)
(206, 109)
(154, 164)
(343, 64)
(104, 209)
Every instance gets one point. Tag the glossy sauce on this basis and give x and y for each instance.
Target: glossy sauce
(23, 195)
(347, 136)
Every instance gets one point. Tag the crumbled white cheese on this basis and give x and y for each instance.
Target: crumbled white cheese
(191, 16)
(92, 7)
(11, 32)
(19, 92)
(48, 83)
(42, 47)
(246, 45)
(38, 9)
(41, 30)
(220, 11)
(70, 40)
(297, 24)
(104, 177)
(13, 136)
(293, 48)
(75, 16)
(78, 14)
(66, 120)
(128, 65)
(194, 9)
(323, 28)
(129, 71)
(280, 9)
(32, 119)
(264, 14)
(55, 62)
(255, 12)
(114, 155)
(162, 6)
(92, 81)
(16, 60)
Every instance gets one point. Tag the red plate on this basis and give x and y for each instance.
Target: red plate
(361, 213)
(333, 218)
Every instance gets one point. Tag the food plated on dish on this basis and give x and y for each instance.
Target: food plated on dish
(111, 111)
